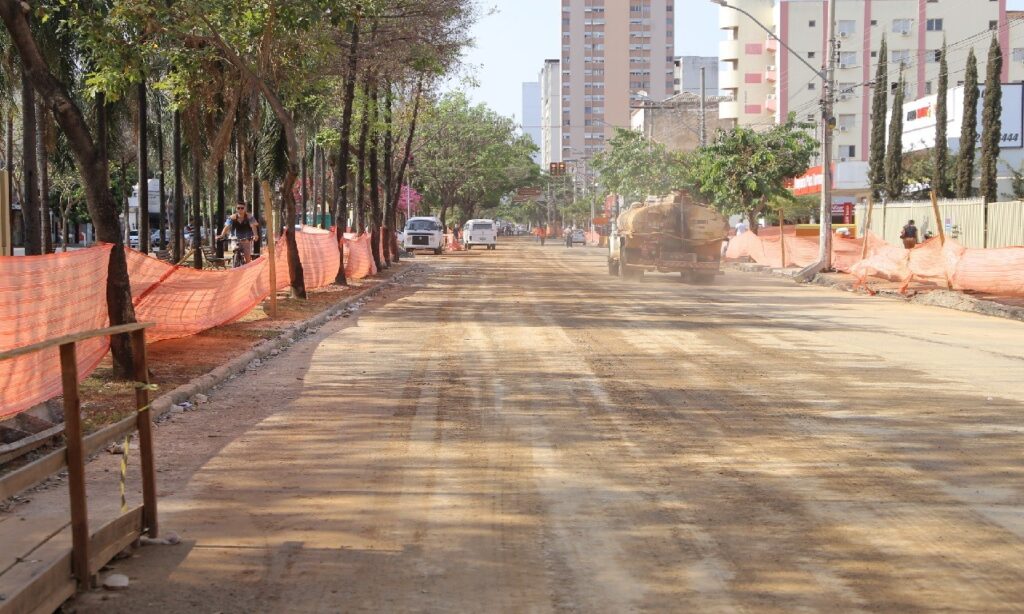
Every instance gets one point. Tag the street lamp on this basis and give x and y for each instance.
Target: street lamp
(827, 76)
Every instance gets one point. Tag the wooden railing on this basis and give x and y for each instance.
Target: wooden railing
(55, 580)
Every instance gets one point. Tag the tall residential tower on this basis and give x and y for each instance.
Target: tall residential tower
(611, 50)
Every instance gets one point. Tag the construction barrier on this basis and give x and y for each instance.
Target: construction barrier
(992, 271)
(593, 238)
(42, 297)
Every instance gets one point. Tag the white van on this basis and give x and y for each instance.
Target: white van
(480, 232)
(424, 233)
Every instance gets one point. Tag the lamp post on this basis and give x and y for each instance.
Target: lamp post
(827, 76)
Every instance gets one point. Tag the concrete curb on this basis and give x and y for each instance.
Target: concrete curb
(947, 299)
(162, 404)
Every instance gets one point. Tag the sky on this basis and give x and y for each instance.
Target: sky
(514, 37)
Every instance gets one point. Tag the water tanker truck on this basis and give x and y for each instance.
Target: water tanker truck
(673, 234)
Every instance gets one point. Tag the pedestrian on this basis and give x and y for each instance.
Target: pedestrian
(741, 227)
(909, 235)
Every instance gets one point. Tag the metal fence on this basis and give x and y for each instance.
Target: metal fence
(963, 220)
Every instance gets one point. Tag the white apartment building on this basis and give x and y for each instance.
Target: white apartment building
(550, 113)
(766, 82)
(531, 115)
(611, 49)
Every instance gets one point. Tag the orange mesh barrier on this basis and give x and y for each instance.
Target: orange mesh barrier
(358, 257)
(42, 297)
(593, 238)
(993, 271)
(318, 251)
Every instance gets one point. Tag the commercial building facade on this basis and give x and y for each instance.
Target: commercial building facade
(550, 113)
(765, 82)
(687, 74)
(611, 50)
(532, 115)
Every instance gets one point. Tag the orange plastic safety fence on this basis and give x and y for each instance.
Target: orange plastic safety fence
(42, 297)
(358, 257)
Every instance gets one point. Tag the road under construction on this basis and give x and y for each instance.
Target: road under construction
(518, 431)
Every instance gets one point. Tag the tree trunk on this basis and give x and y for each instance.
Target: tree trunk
(364, 131)
(304, 187)
(239, 169)
(179, 189)
(387, 235)
(374, 155)
(163, 175)
(122, 180)
(256, 198)
(219, 218)
(91, 166)
(752, 221)
(43, 140)
(30, 209)
(10, 156)
(197, 187)
(407, 155)
(323, 187)
(341, 181)
(143, 164)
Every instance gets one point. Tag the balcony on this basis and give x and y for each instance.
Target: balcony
(729, 79)
(728, 18)
(771, 45)
(728, 50)
(771, 75)
(771, 104)
(729, 109)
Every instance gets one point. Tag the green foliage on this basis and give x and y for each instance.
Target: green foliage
(968, 130)
(743, 170)
(991, 123)
(636, 168)
(940, 181)
(879, 102)
(1017, 182)
(894, 155)
(468, 157)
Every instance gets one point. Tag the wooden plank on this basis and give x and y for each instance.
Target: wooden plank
(144, 423)
(32, 474)
(40, 584)
(25, 445)
(76, 465)
(97, 440)
(74, 338)
(271, 239)
(114, 537)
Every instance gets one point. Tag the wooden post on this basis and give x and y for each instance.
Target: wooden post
(782, 236)
(271, 240)
(867, 227)
(938, 218)
(76, 466)
(144, 423)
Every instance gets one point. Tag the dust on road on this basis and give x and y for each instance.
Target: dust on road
(517, 431)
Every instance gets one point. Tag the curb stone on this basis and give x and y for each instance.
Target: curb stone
(947, 299)
(202, 384)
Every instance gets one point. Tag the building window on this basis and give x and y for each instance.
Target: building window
(874, 54)
(927, 88)
(847, 151)
(901, 26)
(812, 86)
(874, 22)
(847, 59)
(933, 55)
(933, 25)
(847, 122)
(1018, 54)
(846, 27)
(811, 54)
(993, 25)
(810, 117)
(900, 56)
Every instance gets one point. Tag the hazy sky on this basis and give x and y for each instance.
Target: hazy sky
(513, 42)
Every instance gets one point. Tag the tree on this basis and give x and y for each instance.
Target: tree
(991, 123)
(968, 130)
(894, 155)
(636, 167)
(879, 102)
(743, 170)
(92, 165)
(940, 182)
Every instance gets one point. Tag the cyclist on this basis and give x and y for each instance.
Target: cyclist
(243, 228)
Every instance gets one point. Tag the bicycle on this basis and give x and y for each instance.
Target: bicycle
(237, 255)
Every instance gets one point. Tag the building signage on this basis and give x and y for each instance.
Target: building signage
(1011, 120)
(919, 118)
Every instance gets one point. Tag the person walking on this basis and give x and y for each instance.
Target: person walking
(909, 235)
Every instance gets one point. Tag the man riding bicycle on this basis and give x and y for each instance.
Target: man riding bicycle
(243, 228)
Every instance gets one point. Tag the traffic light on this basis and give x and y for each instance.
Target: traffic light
(557, 169)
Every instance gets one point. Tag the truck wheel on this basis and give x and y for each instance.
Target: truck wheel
(686, 277)
(437, 251)
(704, 278)
(613, 267)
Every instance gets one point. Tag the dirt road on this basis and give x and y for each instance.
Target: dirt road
(517, 431)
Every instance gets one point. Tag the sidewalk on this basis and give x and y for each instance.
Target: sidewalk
(1011, 308)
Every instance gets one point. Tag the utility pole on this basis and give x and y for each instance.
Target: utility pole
(703, 109)
(827, 124)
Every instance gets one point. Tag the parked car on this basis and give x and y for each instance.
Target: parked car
(424, 233)
(578, 236)
(133, 239)
(479, 232)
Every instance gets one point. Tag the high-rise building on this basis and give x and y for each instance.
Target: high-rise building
(765, 82)
(611, 51)
(550, 113)
(531, 115)
(687, 76)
